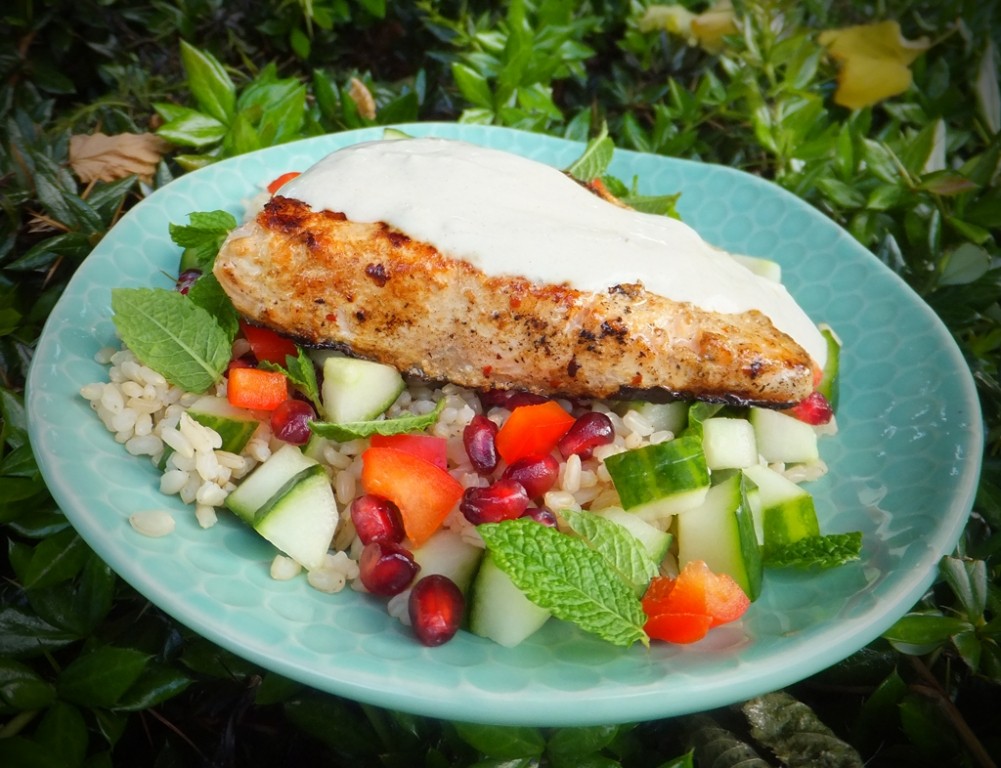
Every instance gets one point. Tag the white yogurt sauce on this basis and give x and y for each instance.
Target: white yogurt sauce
(508, 215)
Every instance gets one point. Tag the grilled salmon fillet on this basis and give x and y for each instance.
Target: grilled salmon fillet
(369, 289)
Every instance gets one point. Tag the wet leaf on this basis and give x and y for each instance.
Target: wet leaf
(99, 157)
(875, 61)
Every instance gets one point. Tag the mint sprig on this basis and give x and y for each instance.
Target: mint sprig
(172, 335)
(352, 430)
(569, 579)
(202, 237)
(826, 551)
(595, 158)
(623, 551)
(300, 372)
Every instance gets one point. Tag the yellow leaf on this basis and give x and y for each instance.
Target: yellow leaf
(704, 29)
(99, 157)
(875, 60)
(710, 27)
(362, 97)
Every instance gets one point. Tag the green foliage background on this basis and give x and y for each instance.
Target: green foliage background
(92, 675)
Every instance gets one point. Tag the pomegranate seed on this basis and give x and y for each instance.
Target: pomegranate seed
(503, 500)
(542, 516)
(376, 519)
(814, 410)
(589, 431)
(290, 421)
(386, 568)
(241, 362)
(510, 398)
(187, 279)
(435, 606)
(537, 474)
(478, 438)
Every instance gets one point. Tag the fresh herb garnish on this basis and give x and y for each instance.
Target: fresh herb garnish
(208, 294)
(172, 335)
(619, 547)
(299, 370)
(595, 159)
(202, 237)
(827, 551)
(353, 430)
(566, 577)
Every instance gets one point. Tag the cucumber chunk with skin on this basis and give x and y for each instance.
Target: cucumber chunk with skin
(669, 417)
(448, 554)
(234, 425)
(358, 390)
(783, 438)
(498, 610)
(828, 386)
(301, 517)
(729, 443)
(660, 480)
(266, 480)
(784, 512)
(655, 541)
(721, 533)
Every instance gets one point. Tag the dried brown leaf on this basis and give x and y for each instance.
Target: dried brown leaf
(99, 157)
(362, 97)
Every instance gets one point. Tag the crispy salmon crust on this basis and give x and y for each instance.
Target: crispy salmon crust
(376, 293)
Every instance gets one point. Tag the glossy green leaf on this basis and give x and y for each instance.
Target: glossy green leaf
(22, 689)
(156, 684)
(100, 677)
(473, 86)
(503, 742)
(569, 747)
(919, 629)
(56, 559)
(209, 83)
(23, 634)
(64, 733)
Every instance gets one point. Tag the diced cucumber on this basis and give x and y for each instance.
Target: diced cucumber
(729, 443)
(655, 541)
(358, 390)
(721, 533)
(782, 437)
(783, 511)
(447, 553)
(766, 268)
(301, 517)
(670, 417)
(265, 480)
(235, 425)
(498, 610)
(828, 386)
(659, 480)
(315, 446)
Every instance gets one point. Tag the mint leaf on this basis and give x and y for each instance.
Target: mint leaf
(566, 577)
(202, 237)
(827, 551)
(172, 335)
(660, 205)
(355, 429)
(208, 294)
(300, 371)
(619, 547)
(595, 159)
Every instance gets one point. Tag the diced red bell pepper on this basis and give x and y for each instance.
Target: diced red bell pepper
(678, 627)
(424, 493)
(427, 447)
(532, 430)
(268, 345)
(696, 591)
(256, 389)
(277, 184)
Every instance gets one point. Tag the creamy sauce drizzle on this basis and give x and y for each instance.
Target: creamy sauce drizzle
(508, 215)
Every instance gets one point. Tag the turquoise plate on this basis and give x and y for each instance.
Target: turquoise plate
(904, 471)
